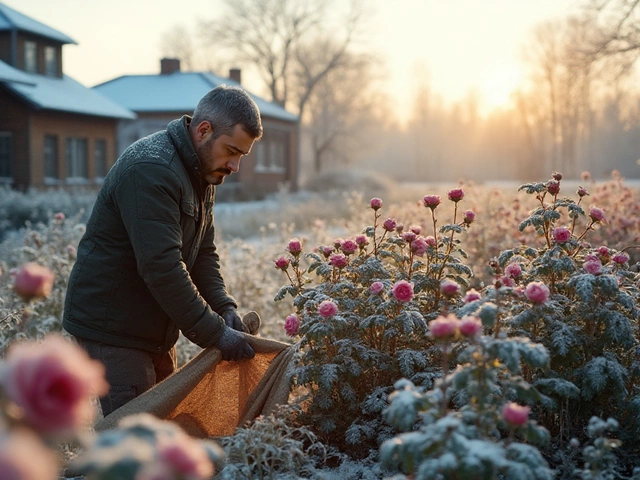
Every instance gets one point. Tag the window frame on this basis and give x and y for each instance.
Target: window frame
(11, 152)
(50, 64)
(76, 154)
(51, 152)
(30, 62)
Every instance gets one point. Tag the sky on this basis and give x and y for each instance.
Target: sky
(458, 46)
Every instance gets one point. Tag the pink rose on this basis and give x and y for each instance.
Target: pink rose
(415, 229)
(431, 201)
(472, 295)
(52, 382)
(553, 187)
(338, 260)
(455, 194)
(349, 247)
(362, 241)
(59, 216)
(409, 236)
(444, 328)
(376, 288)
(449, 288)
(185, 456)
(337, 243)
(596, 214)
(505, 281)
(557, 176)
(620, 258)
(402, 291)
(33, 281)
(470, 326)
(513, 270)
(561, 234)
(292, 325)
(582, 192)
(469, 217)
(327, 309)
(294, 247)
(419, 246)
(430, 241)
(515, 415)
(376, 203)
(603, 251)
(594, 267)
(389, 224)
(537, 292)
(326, 251)
(23, 456)
(282, 263)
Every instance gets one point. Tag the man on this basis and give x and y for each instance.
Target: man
(147, 265)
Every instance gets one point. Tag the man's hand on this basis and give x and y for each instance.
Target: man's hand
(234, 346)
(232, 319)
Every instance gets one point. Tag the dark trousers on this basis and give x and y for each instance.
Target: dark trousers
(129, 371)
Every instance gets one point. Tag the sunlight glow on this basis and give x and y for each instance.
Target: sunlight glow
(497, 85)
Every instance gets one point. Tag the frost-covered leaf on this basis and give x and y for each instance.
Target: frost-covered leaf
(602, 373)
(558, 387)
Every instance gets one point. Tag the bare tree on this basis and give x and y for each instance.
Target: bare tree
(178, 43)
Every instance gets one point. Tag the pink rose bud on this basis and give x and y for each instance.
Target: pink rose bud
(537, 292)
(603, 251)
(185, 456)
(292, 325)
(431, 201)
(415, 229)
(444, 328)
(376, 288)
(596, 214)
(585, 176)
(455, 194)
(515, 415)
(326, 251)
(470, 326)
(282, 263)
(594, 267)
(561, 235)
(553, 187)
(33, 281)
(59, 216)
(557, 176)
(71, 251)
(402, 291)
(389, 224)
(338, 260)
(24, 456)
(327, 309)
(399, 228)
(505, 281)
(349, 247)
(409, 236)
(52, 382)
(582, 192)
(337, 243)
(376, 203)
(294, 247)
(469, 217)
(449, 288)
(362, 241)
(430, 241)
(513, 270)
(472, 295)
(620, 258)
(419, 246)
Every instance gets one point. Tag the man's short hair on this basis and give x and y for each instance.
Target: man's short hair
(225, 107)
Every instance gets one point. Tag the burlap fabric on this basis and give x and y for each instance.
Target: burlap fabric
(209, 397)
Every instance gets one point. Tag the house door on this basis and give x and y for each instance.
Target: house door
(6, 157)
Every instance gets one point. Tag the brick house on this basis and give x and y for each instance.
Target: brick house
(53, 130)
(157, 99)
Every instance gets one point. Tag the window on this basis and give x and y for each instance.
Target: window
(100, 158)
(76, 159)
(30, 57)
(6, 156)
(272, 151)
(50, 157)
(50, 61)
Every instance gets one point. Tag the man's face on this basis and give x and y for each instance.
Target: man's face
(221, 157)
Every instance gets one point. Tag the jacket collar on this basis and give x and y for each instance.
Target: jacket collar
(178, 130)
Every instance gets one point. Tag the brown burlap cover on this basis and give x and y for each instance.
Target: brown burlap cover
(208, 397)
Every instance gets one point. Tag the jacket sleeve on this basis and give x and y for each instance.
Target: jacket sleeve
(148, 198)
(207, 276)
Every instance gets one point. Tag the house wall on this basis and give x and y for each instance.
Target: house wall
(5, 47)
(64, 126)
(15, 119)
(41, 43)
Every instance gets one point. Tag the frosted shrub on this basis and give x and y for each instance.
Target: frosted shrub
(363, 308)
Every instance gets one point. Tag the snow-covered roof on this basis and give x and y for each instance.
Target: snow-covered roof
(176, 92)
(10, 74)
(12, 20)
(63, 94)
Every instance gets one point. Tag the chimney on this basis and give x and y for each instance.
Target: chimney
(169, 65)
(235, 74)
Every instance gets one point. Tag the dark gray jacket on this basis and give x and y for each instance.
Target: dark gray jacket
(147, 265)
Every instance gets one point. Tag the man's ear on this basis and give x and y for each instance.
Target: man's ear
(202, 130)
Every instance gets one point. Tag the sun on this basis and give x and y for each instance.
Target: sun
(497, 85)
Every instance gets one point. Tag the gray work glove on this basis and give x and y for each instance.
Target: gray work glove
(232, 319)
(234, 346)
